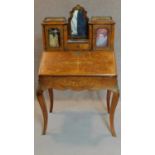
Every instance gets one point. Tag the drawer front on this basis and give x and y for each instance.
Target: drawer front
(47, 42)
(75, 46)
(78, 83)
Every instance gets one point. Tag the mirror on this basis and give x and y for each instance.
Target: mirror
(78, 23)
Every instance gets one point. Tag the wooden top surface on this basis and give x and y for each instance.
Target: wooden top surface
(54, 20)
(102, 20)
(85, 63)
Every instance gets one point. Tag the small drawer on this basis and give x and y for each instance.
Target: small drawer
(78, 46)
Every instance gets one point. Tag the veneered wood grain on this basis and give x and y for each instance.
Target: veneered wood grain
(77, 82)
(78, 63)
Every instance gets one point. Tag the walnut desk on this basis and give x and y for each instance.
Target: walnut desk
(78, 71)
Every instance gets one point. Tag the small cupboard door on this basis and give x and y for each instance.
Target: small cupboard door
(102, 37)
(53, 37)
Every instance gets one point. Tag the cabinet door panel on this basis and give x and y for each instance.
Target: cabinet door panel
(53, 37)
(102, 37)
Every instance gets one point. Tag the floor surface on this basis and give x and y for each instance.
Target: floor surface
(79, 125)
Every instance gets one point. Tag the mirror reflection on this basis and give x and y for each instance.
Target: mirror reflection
(79, 24)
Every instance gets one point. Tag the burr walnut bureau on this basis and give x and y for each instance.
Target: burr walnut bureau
(78, 55)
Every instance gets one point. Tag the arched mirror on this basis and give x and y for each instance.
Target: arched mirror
(78, 23)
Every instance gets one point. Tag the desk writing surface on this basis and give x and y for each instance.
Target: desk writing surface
(74, 63)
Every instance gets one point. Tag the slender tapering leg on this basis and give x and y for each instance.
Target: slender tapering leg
(112, 111)
(108, 100)
(42, 103)
(50, 91)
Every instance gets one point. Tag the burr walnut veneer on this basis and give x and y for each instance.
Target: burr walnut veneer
(77, 63)
(78, 71)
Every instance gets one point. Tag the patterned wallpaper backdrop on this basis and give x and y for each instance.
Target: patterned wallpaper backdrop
(44, 8)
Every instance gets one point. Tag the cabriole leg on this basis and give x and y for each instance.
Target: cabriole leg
(50, 91)
(42, 103)
(114, 103)
(108, 100)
